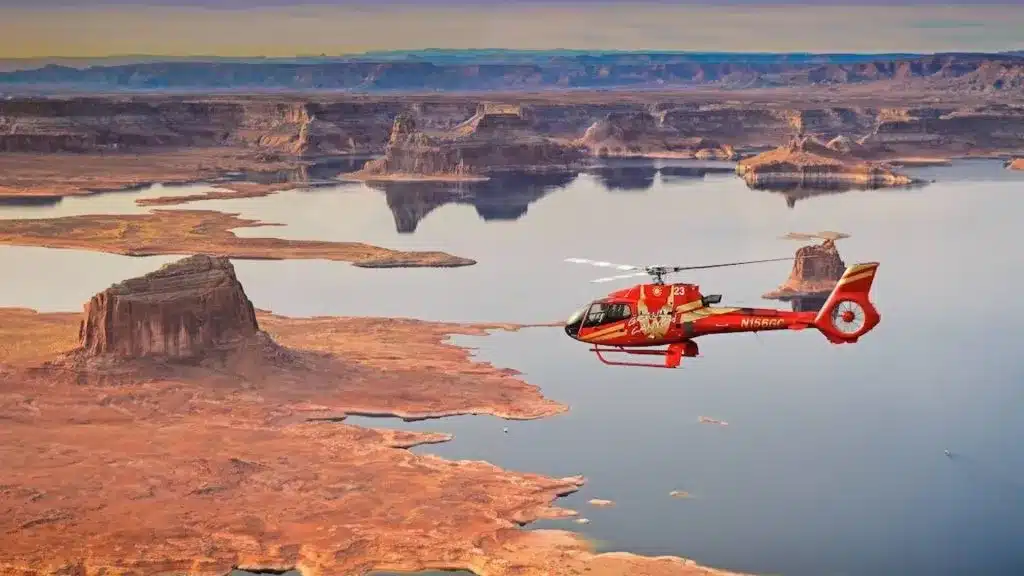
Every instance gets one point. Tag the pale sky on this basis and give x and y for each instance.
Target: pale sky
(222, 28)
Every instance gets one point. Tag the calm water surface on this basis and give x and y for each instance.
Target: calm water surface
(832, 462)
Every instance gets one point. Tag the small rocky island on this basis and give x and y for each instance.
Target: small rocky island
(495, 139)
(806, 162)
(644, 135)
(816, 268)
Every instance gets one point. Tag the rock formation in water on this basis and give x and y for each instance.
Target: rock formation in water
(629, 134)
(806, 162)
(816, 269)
(184, 310)
(492, 141)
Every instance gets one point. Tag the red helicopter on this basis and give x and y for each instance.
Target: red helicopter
(636, 319)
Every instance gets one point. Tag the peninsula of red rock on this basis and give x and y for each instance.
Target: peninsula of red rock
(816, 268)
(217, 429)
(807, 162)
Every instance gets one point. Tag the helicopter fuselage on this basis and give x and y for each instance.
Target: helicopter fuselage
(659, 314)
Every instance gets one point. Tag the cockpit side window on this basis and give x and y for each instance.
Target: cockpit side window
(604, 313)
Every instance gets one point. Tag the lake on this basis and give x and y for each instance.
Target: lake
(832, 462)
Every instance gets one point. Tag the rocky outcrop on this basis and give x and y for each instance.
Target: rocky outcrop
(184, 310)
(488, 144)
(806, 162)
(632, 134)
(816, 268)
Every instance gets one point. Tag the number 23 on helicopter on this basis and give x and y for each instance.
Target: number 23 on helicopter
(659, 319)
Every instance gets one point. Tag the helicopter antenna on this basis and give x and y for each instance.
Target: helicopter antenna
(658, 273)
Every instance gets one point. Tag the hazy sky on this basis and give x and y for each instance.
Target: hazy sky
(34, 28)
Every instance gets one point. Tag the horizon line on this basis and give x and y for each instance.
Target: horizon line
(1006, 52)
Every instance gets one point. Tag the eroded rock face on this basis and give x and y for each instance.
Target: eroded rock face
(486, 143)
(816, 270)
(185, 309)
(647, 134)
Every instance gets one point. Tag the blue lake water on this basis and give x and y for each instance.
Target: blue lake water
(832, 463)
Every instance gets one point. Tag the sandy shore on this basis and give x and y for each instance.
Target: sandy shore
(67, 174)
(200, 232)
(231, 467)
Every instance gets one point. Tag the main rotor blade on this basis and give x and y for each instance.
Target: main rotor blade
(603, 264)
(620, 277)
(681, 268)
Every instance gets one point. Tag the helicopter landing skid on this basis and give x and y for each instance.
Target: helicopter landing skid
(673, 354)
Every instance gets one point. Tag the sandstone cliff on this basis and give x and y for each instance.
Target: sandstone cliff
(805, 161)
(184, 310)
(815, 271)
(488, 143)
(297, 125)
(628, 134)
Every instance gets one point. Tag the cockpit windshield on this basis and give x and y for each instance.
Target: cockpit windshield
(577, 315)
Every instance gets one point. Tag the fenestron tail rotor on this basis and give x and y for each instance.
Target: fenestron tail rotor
(658, 273)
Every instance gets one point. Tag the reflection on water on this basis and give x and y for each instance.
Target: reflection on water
(833, 460)
(503, 197)
(321, 172)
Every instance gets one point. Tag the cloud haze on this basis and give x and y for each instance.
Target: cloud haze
(340, 27)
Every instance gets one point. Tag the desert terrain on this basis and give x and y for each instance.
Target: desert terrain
(172, 400)
(180, 406)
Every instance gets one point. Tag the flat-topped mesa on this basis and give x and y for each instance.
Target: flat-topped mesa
(488, 142)
(643, 134)
(185, 309)
(816, 269)
(806, 162)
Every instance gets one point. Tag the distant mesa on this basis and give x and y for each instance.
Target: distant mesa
(492, 141)
(186, 310)
(807, 162)
(642, 134)
(816, 270)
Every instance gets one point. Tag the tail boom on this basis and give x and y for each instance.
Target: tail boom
(849, 313)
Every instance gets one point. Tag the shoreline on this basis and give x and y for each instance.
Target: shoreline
(247, 446)
(164, 232)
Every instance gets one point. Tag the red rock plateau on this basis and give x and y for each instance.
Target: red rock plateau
(816, 268)
(806, 162)
(642, 134)
(493, 140)
(201, 232)
(80, 144)
(217, 433)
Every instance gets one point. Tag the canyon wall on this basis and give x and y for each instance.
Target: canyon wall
(309, 127)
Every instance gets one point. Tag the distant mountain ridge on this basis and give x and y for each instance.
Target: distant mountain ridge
(483, 70)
